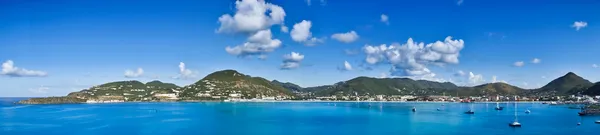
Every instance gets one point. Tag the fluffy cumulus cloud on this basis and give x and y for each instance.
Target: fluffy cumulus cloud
(347, 37)
(251, 16)
(185, 73)
(292, 60)
(259, 43)
(133, 74)
(9, 69)
(301, 33)
(411, 58)
(579, 25)
(536, 61)
(475, 79)
(519, 64)
(385, 19)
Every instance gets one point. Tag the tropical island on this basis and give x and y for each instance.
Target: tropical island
(230, 85)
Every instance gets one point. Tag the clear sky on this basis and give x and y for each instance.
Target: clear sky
(53, 47)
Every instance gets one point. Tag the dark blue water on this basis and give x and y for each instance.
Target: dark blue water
(288, 119)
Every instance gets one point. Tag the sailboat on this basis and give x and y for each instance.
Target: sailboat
(498, 106)
(414, 109)
(470, 110)
(527, 111)
(516, 122)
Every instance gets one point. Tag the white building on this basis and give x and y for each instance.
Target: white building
(167, 96)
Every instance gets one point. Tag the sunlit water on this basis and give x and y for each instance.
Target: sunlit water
(294, 118)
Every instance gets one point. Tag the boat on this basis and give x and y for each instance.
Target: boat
(439, 109)
(553, 103)
(598, 122)
(498, 106)
(470, 110)
(527, 111)
(515, 123)
(414, 109)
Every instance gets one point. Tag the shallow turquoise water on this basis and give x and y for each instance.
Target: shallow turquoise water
(293, 118)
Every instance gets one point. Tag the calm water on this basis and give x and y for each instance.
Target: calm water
(287, 118)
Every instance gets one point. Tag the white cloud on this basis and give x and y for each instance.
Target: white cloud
(39, 90)
(460, 73)
(348, 37)
(385, 19)
(284, 29)
(292, 60)
(579, 25)
(543, 77)
(301, 33)
(314, 41)
(185, 73)
(459, 2)
(259, 43)
(412, 58)
(536, 61)
(594, 66)
(519, 64)
(494, 80)
(475, 79)
(251, 16)
(347, 66)
(9, 69)
(132, 74)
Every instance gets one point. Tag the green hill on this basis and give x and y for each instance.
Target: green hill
(225, 82)
(129, 90)
(289, 86)
(593, 90)
(385, 86)
(567, 84)
(491, 89)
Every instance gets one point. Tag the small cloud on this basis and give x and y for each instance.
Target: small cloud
(292, 60)
(133, 74)
(519, 64)
(459, 2)
(385, 19)
(594, 66)
(185, 73)
(460, 73)
(9, 69)
(579, 25)
(347, 66)
(347, 37)
(543, 77)
(284, 29)
(536, 61)
(495, 80)
(301, 33)
(39, 90)
(475, 79)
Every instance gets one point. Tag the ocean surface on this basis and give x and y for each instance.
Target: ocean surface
(289, 118)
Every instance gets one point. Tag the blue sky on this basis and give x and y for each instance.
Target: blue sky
(50, 48)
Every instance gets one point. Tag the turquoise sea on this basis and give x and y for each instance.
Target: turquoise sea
(289, 118)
